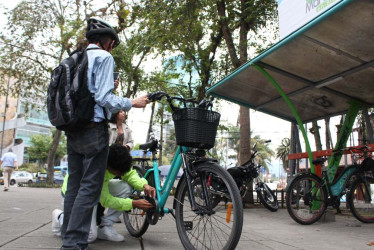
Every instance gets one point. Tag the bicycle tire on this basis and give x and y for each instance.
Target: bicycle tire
(190, 223)
(267, 197)
(306, 199)
(136, 220)
(360, 202)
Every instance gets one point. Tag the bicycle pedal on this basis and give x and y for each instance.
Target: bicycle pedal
(188, 225)
(150, 200)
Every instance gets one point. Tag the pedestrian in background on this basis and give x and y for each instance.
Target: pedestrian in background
(10, 163)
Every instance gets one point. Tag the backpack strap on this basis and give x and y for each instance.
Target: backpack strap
(91, 48)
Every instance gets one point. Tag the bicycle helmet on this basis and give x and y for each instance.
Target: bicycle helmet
(99, 27)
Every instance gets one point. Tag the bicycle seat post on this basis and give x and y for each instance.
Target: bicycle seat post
(319, 166)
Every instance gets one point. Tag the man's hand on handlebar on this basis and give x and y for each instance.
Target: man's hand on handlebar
(140, 102)
(156, 96)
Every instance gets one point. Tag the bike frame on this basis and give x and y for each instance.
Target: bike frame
(337, 188)
(163, 192)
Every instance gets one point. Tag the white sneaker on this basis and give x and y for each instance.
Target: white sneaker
(56, 226)
(109, 233)
(92, 236)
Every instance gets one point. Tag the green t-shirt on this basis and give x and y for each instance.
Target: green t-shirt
(110, 201)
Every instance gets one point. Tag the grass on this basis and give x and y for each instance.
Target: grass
(40, 185)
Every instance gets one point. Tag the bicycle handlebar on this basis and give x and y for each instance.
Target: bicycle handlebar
(157, 96)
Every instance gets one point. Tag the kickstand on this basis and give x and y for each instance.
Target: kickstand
(172, 213)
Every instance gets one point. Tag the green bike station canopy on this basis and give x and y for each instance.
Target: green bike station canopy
(324, 68)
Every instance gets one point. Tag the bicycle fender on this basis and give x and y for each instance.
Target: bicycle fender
(195, 164)
(204, 160)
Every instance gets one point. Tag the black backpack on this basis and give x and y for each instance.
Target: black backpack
(70, 104)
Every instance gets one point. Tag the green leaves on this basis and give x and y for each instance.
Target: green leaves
(41, 145)
(282, 152)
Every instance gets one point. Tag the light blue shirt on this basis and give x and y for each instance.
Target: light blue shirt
(9, 159)
(101, 84)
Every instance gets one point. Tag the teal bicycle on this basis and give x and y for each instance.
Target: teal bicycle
(309, 195)
(207, 205)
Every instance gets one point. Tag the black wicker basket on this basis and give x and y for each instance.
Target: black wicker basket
(195, 127)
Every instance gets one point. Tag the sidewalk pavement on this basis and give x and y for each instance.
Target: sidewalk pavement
(25, 223)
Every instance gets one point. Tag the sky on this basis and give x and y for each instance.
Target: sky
(267, 127)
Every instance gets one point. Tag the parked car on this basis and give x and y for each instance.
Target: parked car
(20, 177)
(40, 177)
(61, 169)
(58, 177)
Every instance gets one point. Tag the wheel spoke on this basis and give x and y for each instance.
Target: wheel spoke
(361, 202)
(135, 220)
(306, 199)
(210, 229)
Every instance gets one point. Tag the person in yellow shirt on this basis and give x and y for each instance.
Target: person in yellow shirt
(114, 195)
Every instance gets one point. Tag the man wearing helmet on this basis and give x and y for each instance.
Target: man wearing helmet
(88, 148)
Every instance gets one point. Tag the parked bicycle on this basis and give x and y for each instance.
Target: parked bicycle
(248, 172)
(308, 195)
(141, 164)
(203, 221)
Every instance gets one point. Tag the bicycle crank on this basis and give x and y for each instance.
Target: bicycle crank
(152, 214)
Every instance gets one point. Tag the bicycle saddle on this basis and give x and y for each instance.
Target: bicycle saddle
(151, 145)
(319, 161)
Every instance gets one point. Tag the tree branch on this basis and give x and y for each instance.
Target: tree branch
(221, 8)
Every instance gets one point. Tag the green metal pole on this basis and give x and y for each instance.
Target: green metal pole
(289, 103)
(344, 133)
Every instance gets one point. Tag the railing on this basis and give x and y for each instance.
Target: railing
(281, 198)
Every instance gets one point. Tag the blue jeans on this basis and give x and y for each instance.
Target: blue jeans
(88, 153)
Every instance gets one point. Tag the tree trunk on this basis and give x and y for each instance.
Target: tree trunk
(161, 136)
(233, 51)
(364, 137)
(339, 126)
(328, 134)
(245, 147)
(52, 155)
(317, 138)
(293, 148)
(245, 135)
(151, 121)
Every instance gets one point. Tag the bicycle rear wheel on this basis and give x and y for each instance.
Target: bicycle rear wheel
(218, 227)
(306, 199)
(267, 197)
(136, 219)
(361, 199)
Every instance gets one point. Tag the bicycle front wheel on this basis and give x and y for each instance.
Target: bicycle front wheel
(136, 219)
(218, 220)
(267, 197)
(361, 199)
(306, 199)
